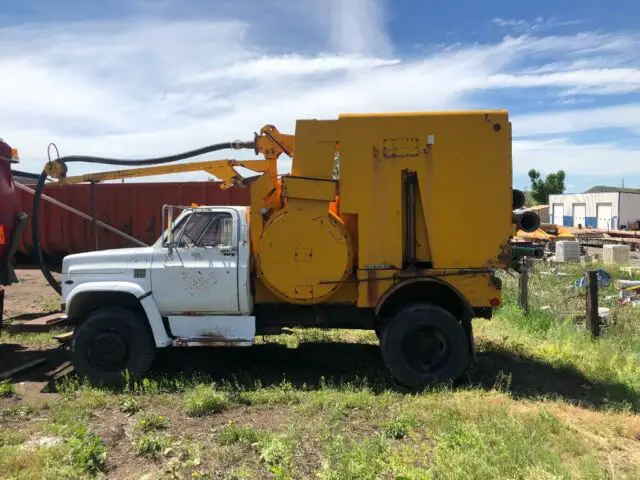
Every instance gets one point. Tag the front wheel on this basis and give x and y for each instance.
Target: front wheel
(424, 344)
(109, 342)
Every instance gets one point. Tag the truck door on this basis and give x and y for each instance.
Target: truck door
(200, 273)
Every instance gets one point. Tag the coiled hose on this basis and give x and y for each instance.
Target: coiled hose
(35, 214)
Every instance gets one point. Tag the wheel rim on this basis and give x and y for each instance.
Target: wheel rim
(108, 351)
(425, 349)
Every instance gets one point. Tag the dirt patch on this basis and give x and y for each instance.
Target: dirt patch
(31, 295)
(118, 433)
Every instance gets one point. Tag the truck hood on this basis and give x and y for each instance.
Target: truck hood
(107, 261)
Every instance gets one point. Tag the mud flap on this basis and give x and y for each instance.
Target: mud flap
(468, 328)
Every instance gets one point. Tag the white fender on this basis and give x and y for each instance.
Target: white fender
(146, 300)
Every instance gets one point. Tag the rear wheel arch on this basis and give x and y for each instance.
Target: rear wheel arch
(424, 290)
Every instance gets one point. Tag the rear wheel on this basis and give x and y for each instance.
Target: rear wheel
(109, 342)
(424, 344)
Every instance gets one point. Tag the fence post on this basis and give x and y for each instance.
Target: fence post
(593, 317)
(523, 297)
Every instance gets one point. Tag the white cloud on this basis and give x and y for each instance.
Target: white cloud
(534, 25)
(578, 120)
(268, 68)
(593, 158)
(592, 81)
(358, 26)
(153, 87)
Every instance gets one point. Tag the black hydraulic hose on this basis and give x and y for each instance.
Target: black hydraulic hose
(35, 214)
(154, 161)
(35, 232)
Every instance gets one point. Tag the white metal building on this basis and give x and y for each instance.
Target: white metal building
(605, 211)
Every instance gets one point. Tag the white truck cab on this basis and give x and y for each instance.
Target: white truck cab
(191, 287)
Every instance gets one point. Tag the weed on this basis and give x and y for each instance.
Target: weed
(282, 394)
(152, 421)
(204, 400)
(400, 427)
(231, 434)
(152, 445)
(87, 452)
(7, 389)
(345, 458)
(200, 476)
(242, 473)
(10, 438)
(130, 405)
(276, 453)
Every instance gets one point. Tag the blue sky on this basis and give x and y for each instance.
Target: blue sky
(141, 78)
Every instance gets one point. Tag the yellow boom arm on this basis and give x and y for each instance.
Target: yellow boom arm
(222, 169)
(270, 143)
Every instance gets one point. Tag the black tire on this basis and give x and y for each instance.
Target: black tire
(406, 340)
(109, 342)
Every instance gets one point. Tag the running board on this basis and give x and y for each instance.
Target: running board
(209, 342)
(212, 330)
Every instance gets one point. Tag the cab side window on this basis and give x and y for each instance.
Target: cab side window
(194, 226)
(219, 231)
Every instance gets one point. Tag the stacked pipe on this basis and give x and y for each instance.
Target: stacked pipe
(526, 220)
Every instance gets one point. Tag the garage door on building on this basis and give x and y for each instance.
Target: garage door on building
(558, 213)
(604, 213)
(579, 214)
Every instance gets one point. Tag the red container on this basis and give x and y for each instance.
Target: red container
(134, 208)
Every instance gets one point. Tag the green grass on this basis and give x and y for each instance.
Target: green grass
(7, 389)
(152, 445)
(130, 405)
(545, 401)
(204, 400)
(152, 421)
(35, 339)
(232, 434)
(550, 333)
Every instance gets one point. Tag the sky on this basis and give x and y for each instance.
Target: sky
(142, 78)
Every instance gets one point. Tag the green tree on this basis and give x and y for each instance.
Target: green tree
(541, 188)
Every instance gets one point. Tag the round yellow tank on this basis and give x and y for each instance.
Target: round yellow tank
(299, 251)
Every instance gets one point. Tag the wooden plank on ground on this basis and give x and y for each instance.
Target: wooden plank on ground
(22, 368)
(64, 337)
(46, 320)
(60, 371)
